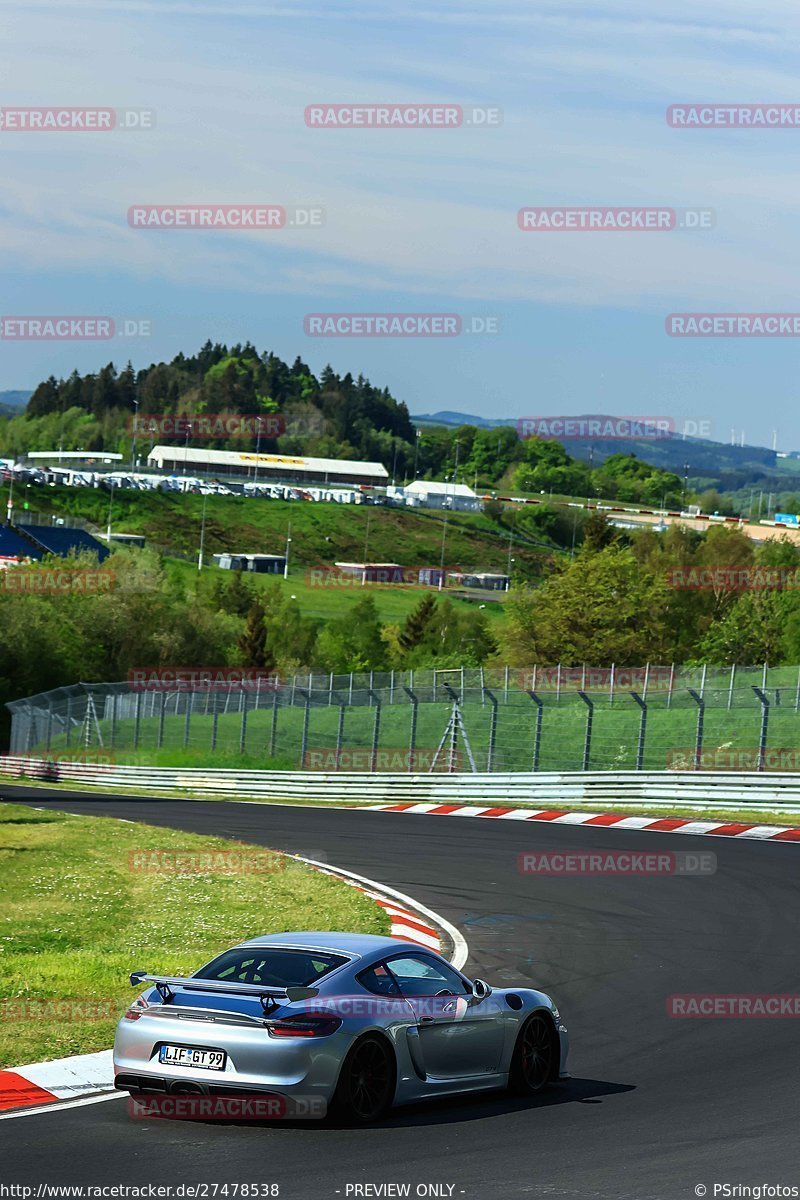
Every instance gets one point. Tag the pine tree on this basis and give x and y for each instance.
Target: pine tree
(252, 643)
(418, 622)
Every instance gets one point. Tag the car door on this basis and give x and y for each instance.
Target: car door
(458, 1037)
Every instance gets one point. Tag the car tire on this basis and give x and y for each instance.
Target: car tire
(534, 1063)
(366, 1086)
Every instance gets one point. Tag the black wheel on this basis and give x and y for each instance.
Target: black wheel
(534, 1064)
(366, 1084)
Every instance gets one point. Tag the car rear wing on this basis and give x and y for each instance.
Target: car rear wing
(269, 996)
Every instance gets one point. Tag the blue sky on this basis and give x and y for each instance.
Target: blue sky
(417, 221)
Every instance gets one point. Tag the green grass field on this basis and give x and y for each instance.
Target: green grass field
(81, 912)
(322, 533)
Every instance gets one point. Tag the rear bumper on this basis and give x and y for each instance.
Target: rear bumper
(255, 1063)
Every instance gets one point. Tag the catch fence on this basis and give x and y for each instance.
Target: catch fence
(505, 719)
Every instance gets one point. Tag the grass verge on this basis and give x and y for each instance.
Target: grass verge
(80, 913)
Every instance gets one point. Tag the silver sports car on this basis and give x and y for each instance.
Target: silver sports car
(343, 1023)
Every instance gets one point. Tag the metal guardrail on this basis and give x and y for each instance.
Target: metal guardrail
(543, 788)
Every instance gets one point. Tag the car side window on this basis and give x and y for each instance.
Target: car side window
(378, 981)
(419, 975)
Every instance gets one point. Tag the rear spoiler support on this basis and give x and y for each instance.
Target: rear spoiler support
(269, 996)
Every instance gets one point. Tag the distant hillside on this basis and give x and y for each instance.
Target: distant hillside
(725, 467)
(12, 402)
(455, 419)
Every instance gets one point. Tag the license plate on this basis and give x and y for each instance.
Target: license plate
(190, 1056)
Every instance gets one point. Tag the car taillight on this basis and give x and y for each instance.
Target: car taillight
(304, 1026)
(136, 1009)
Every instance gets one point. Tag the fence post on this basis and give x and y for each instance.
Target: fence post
(113, 735)
(330, 690)
(137, 721)
(391, 686)
(671, 685)
(350, 694)
(161, 712)
(274, 725)
(698, 743)
(376, 729)
(69, 711)
(537, 736)
(505, 689)
(243, 727)
(762, 739)
(189, 700)
(339, 735)
(214, 723)
(703, 681)
(611, 686)
(49, 726)
(492, 730)
(764, 678)
(434, 685)
(796, 698)
(646, 680)
(587, 745)
(483, 685)
(583, 677)
(640, 700)
(412, 740)
(558, 684)
(730, 686)
(304, 739)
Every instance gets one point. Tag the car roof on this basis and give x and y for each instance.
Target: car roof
(361, 944)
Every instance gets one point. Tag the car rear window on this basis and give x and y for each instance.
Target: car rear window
(272, 965)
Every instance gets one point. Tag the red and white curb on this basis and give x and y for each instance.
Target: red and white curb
(763, 833)
(62, 1079)
(88, 1078)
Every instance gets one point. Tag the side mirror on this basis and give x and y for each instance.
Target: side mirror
(480, 990)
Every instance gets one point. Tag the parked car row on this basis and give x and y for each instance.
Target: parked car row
(139, 481)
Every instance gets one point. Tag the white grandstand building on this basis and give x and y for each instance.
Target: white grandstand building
(289, 468)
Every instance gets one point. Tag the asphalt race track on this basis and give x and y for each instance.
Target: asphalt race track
(656, 1105)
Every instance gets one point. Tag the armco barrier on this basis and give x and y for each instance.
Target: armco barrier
(764, 788)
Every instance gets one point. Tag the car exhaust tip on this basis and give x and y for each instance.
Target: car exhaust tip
(186, 1089)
